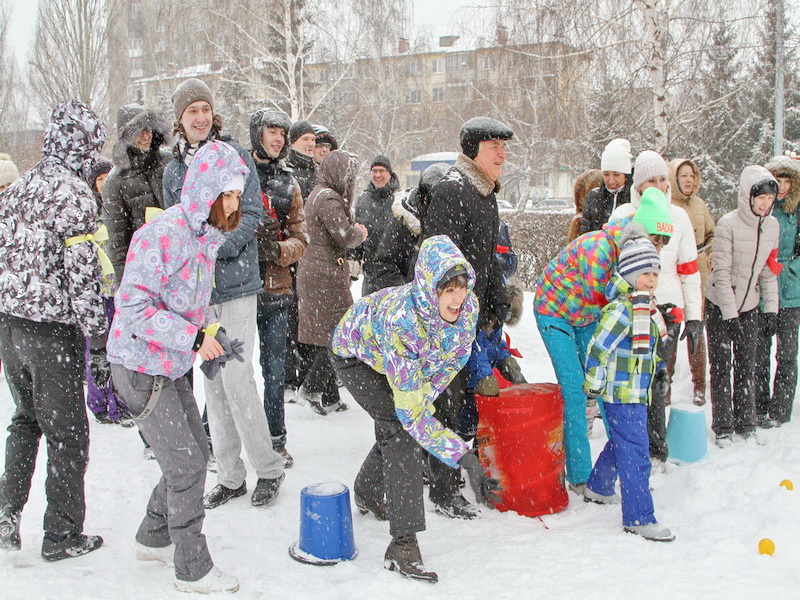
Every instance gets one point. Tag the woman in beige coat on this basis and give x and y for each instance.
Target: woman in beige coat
(684, 178)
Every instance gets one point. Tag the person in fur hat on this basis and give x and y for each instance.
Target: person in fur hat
(586, 182)
(773, 409)
(135, 183)
(463, 206)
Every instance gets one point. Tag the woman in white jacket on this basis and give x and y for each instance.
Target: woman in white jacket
(678, 294)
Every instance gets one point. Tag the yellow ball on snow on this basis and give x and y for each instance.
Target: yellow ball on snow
(787, 484)
(766, 546)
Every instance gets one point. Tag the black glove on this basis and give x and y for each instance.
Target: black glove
(670, 316)
(502, 311)
(735, 328)
(769, 324)
(99, 367)
(693, 329)
(483, 485)
(268, 236)
(510, 369)
(661, 384)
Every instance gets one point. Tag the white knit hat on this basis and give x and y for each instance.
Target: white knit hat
(617, 156)
(8, 170)
(648, 164)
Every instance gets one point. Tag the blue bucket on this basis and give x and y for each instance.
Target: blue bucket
(686, 433)
(326, 525)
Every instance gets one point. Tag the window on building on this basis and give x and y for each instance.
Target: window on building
(387, 70)
(457, 61)
(414, 97)
(487, 62)
(161, 46)
(437, 94)
(161, 25)
(368, 72)
(413, 68)
(134, 47)
(437, 66)
(137, 68)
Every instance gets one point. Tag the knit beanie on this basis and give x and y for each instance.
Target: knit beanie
(8, 170)
(299, 129)
(617, 156)
(648, 164)
(382, 161)
(636, 257)
(653, 213)
(98, 168)
(191, 90)
(481, 129)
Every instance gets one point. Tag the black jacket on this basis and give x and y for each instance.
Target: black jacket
(397, 251)
(304, 170)
(600, 203)
(374, 210)
(463, 206)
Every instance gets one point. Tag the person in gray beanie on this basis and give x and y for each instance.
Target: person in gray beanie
(235, 410)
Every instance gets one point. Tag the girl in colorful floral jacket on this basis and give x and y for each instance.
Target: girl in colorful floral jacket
(396, 350)
(623, 369)
(162, 322)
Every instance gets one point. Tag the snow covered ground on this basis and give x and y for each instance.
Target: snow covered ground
(719, 509)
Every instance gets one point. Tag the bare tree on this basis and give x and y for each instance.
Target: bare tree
(8, 72)
(69, 58)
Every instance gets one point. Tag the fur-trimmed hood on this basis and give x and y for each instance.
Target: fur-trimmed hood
(674, 166)
(403, 209)
(131, 121)
(783, 166)
(516, 299)
(476, 176)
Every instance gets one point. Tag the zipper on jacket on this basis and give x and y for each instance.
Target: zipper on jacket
(752, 267)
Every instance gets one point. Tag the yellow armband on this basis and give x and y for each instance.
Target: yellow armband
(101, 235)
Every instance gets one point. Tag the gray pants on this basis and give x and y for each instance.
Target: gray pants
(235, 410)
(175, 433)
(394, 464)
(44, 368)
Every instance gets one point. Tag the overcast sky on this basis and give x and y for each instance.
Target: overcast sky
(434, 13)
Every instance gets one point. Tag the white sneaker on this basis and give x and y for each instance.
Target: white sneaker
(652, 531)
(213, 581)
(591, 496)
(165, 555)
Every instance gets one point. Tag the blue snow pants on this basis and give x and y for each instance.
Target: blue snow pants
(627, 456)
(566, 345)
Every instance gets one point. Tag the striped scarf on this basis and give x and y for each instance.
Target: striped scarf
(644, 309)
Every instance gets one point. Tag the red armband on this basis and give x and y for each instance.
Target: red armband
(687, 268)
(773, 264)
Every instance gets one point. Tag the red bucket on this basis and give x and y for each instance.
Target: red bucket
(521, 438)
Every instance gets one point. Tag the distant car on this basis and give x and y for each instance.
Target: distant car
(504, 206)
(552, 204)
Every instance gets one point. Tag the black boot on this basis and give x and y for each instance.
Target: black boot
(266, 491)
(71, 545)
(457, 507)
(403, 555)
(9, 528)
(221, 494)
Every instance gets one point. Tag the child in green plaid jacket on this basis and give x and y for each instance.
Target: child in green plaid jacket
(622, 368)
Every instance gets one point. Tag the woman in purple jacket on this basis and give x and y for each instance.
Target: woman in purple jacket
(161, 322)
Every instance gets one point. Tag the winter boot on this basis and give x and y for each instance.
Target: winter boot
(313, 399)
(102, 417)
(71, 545)
(380, 511)
(699, 398)
(213, 581)
(751, 437)
(9, 528)
(165, 554)
(221, 494)
(288, 459)
(403, 555)
(457, 508)
(767, 422)
(724, 440)
(652, 531)
(266, 491)
(577, 488)
(591, 496)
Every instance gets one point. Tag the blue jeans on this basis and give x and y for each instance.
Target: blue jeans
(627, 456)
(272, 319)
(566, 345)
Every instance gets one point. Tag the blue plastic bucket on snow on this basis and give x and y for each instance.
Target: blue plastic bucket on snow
(686, 433)
(326, 525)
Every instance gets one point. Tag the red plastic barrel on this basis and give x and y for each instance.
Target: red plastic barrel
(521, 438)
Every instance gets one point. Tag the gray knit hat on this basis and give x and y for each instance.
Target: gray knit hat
(648, 164)
(636, 257)
(191, 90)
